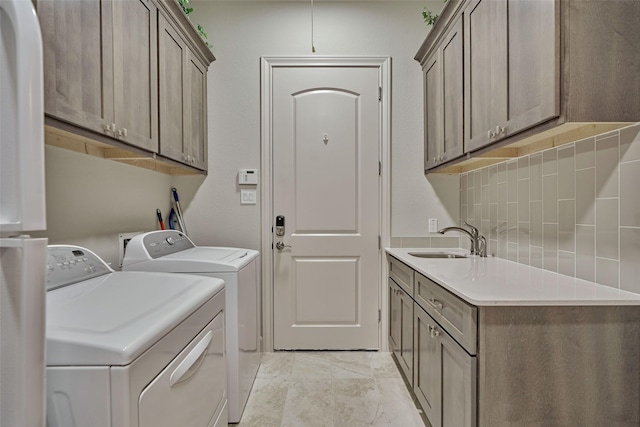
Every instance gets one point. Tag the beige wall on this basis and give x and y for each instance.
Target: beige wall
(243, 31)
(572, 209)
(90, 200)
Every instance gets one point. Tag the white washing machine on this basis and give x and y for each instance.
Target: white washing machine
(172, 251)
(131, 349)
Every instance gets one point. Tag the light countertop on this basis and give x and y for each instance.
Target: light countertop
(495, 281)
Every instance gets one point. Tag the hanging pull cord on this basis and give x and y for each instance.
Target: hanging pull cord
(313, 48)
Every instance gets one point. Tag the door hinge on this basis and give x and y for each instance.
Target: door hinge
(379, 315)
(379, 168)
(379, 93)
(379, 242)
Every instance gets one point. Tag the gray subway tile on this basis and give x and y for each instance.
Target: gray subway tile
(567, 225)
(536, 257)
(585, 153)
(523, 167)
(630, 259)
(550, 247)
(396, 242)
(502, 172)
(607, 272)
(607, 228)
(585, 252)
(550, 161)
(512, 181)
(493, 184)
(567, 263)
(566, 172)
(502, 201)
(523, 200)
(550, 198)
(629, 200)
(512, 222)
(523, 243)
(536, 224)
(535, 177)
(630, 143)
(607, 158)
(585, 196)
(416, 242)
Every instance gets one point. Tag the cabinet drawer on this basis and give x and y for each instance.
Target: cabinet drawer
(457, 317)
(402, 275)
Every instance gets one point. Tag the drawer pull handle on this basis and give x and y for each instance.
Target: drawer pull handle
(435, 303)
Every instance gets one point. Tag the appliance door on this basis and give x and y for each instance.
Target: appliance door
(22, 331)
(191, 390)
(22, 201)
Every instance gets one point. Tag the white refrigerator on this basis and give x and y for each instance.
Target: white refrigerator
(22, 209)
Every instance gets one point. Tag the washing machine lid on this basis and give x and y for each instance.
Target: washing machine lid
(114, 318)
(172, 251)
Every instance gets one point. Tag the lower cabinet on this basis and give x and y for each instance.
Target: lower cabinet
(401, 328)
(441, 372)
(444, 375)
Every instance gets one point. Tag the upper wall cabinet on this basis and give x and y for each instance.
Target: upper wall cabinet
(103, 80)
(100, 60)
(536, 74)
(511, 70)
(443, 83)
(183, 90)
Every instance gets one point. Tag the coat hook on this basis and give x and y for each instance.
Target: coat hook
(325, 138)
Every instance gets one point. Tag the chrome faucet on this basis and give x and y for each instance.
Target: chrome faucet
(478, 242)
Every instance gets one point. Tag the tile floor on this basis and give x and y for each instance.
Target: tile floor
(332, 389)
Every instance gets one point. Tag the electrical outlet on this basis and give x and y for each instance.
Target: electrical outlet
(123, 241)
(433, 225)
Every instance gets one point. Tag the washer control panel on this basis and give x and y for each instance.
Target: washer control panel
(167, 242)
(67, 265)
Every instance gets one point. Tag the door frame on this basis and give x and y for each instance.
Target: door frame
(267, 64)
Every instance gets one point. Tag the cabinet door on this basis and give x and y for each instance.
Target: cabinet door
(195, 113)
(452, 96)
(401, 328)
(533, 63)
(444, 375)
(432, 112)
(427, 373)
(78, 61)
(135, 72)
(172, 54)
(458, 370)
(394, 318)
(486, 72)
(444, 113)
(406, 335)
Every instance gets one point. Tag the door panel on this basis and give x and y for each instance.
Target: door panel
(136, 71)
(325, 183)
(78, 56)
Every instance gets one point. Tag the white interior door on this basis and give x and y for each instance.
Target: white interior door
(325, 157)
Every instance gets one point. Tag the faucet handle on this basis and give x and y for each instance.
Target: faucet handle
(474, 230)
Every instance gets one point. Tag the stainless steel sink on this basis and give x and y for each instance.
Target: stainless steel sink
(436, 255)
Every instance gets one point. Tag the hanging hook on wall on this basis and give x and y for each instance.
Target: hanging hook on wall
(313, 48)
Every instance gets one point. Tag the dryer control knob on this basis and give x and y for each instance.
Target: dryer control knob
(170, 240)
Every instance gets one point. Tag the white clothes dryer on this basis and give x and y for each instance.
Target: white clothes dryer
(131, 349)
(172, 251)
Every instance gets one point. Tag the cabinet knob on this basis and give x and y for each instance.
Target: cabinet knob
(500, 130)
(122, 133)
(109, 127)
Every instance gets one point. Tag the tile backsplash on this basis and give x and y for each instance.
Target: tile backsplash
(574, 209)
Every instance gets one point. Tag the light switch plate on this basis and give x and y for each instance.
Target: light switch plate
(248, 197)
(433, 225)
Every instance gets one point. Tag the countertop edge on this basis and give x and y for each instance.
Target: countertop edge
(610, 296)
